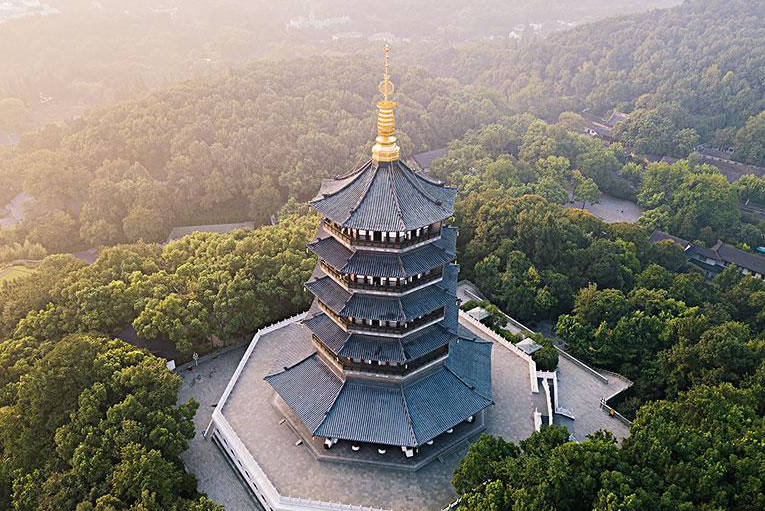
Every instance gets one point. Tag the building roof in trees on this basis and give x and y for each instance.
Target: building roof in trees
(387, 264)
(657, 236)
(723, 253)
(179, 232)
(425, 159)
(403, 414)
(384, 196)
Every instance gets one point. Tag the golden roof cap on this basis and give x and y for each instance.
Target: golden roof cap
(385, 148)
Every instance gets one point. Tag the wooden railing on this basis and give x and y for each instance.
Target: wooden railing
(365, 242)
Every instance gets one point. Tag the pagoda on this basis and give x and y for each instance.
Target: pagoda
(389, 368)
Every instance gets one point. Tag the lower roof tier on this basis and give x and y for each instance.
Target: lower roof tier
(408, 414)
(381, 308)
(384, 350)
(387, 264)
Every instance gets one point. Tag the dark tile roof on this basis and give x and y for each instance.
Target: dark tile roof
(741, 258)
(441, 401)
(468, 359)
(723, 253)
(329, 292)
(327, 331)
(426, 341)
(309, 388)
(331, 251)
(387, 308)
(369, 413)
(426, 159)
(390, 414)
(377, 348)
(657, 236)
(384, 196)
(388, 264)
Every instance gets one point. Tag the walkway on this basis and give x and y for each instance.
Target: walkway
(205, 384)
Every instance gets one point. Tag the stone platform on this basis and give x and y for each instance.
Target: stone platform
(287, 475)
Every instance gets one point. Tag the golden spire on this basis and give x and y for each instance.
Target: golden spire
(385, 148)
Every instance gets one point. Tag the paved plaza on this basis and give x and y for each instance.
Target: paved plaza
(295, 472)
(612, 210)
(216, 478)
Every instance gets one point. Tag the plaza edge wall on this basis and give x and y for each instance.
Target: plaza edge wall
(221, 432)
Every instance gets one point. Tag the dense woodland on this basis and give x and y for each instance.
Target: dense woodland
(91, 423)
(227, 149)
(237, 144)
(88, 422)
(698, 66)
(89, 54)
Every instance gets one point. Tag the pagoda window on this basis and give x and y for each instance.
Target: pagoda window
(377, 235)
(419, 232)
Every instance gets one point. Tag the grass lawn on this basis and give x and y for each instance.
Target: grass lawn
(10, 273)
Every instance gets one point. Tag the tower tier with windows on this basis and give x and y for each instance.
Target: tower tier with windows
(389, 366)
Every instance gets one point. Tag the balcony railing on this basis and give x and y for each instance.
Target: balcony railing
(381, 329)
(394, 369)
(358, 285)
(425, 279)
(366, 242)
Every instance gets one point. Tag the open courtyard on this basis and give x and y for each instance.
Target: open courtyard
(277, 449)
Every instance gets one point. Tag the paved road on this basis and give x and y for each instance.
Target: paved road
(205, 384)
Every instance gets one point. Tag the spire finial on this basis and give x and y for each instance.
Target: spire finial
(386, 149)
(386, 86)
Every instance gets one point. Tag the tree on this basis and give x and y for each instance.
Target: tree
(685, 140)
(144, 224)
(480, 464)
(104, 432)
(56, 230)
(723, 354)
(180, 320)
(585, 190)
(552, 189)
(705, 200)
(750, 140)
(647, 131)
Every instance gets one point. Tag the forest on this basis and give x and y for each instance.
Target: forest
(91, 54)
(89, 422)
(237, 144)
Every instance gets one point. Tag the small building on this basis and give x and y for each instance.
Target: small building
(425, 160)
(180, 232)
(715, 259)
(616, 117)
(528, 345)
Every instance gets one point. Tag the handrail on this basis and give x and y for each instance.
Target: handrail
(382, 244)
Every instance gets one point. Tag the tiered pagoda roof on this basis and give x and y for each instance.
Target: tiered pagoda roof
(382, 308)
(384, 196)
(375, 348)
(389, 366)
(387, 264)
(409, 414)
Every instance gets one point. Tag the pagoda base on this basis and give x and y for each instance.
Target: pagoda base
(394, 457)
